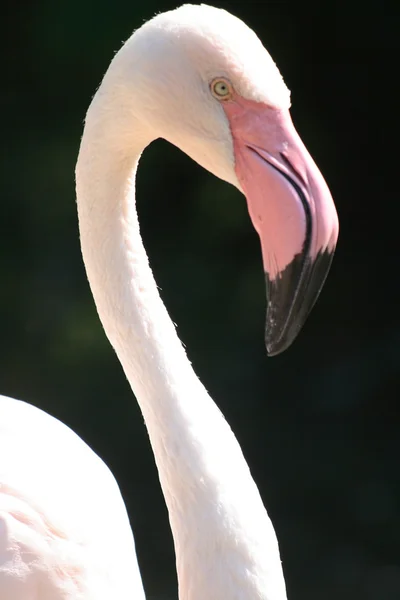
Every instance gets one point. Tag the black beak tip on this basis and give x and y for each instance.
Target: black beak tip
(277, 340)
(290, 298)
(273, 349)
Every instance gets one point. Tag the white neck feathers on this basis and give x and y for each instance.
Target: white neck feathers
(225, 544)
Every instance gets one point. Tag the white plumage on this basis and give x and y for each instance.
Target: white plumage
(64, 531)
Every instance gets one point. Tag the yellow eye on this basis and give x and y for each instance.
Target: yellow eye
(221, 89)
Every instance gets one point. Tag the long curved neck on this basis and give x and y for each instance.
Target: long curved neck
(224, 541)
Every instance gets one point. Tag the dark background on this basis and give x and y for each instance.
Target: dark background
(319, 425)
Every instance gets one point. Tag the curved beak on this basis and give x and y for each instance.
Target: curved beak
(292, 210)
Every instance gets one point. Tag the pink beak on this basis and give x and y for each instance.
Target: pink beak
(292, 210)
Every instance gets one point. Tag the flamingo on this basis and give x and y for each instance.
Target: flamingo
(200, 78)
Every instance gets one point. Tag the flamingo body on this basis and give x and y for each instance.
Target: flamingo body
(64, 530)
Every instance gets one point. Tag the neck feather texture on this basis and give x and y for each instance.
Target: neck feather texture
(225, 544)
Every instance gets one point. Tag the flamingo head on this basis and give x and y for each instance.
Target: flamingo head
(202, 80)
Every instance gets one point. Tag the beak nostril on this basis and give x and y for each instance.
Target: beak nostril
(297, 188)
(291, 168)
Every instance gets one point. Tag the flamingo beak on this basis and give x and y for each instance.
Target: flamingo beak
(292, 210)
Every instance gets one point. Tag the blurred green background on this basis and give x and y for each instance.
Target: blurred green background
(319, 425)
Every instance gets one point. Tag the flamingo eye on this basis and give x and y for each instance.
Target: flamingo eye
(221, 89)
